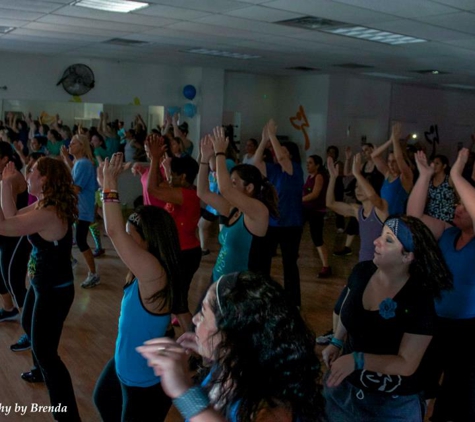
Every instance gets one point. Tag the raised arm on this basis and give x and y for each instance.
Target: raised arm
(178, 133)
(348, 162)
(140, 262)
(258, 159)
(255, 212)
(213, 199)
(155, 183)
(367, 188)
(342, 208)
(378, 160)
(465, 190)
(417, 199)
(282, 158)
(406, 171)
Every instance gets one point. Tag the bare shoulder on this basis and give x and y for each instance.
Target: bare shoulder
(275, 414)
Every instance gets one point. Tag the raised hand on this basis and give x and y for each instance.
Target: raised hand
(423, 166)
(459, 164)
(396, 131)
(348, 153)
(9, 172)
(332, 167)
(207, 150)
(356, 168)
(112, 169)
(156, 146)
(271, 127)
(220, 142)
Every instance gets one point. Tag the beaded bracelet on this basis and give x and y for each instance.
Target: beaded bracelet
(359, 360)
(192, 402)
(110, 196)
(336, 342)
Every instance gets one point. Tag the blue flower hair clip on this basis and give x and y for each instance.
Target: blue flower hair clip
(387, 308)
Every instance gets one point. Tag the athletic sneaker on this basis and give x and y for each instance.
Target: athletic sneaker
(325, 272)
(22, 344)
(346, 251)
(92, 280)
(8, 315)
(98, 252)
(325, 339)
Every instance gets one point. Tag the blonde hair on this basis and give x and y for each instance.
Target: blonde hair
(86, 146)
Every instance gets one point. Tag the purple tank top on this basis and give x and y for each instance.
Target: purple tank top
(370, 230)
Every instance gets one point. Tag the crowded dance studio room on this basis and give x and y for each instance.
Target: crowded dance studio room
(237, 210)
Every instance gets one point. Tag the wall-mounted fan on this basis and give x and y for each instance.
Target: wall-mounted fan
(77, 79)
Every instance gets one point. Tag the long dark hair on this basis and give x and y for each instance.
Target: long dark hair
(157, 227)
(263, 189)
(428, 265)
(318, 162)
(445, 161)
(266, 351)
(58, 189)
(294, 151)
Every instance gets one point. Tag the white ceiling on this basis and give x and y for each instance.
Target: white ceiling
(171, 27)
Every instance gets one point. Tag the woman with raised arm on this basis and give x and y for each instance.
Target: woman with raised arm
(246, 199)
(287, 177)
(48, 225)
(386, 324)
(263, 367)
(148, 245)
(398, 176)
(456, 310)
(183, 204)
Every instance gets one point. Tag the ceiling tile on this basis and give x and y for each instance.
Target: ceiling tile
(30, 5)
(403, 8)
(90, 23)
(459, 4)
(172, 12)
(210, 6)
(65, 36)
(462, 21)
(77, 30)
(19, 14)
(265, 14)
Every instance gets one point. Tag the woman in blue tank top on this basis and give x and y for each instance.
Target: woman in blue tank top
(246, 199)
(456, 310)
(127, 389)
(47, 223)
(263, 363)
(398, 175)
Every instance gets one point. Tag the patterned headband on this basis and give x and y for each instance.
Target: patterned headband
(402, 232)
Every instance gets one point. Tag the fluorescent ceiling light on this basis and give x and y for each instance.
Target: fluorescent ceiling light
(376, 35)
(6, 29)
(121, 6)
(385, 75)
(220, 53)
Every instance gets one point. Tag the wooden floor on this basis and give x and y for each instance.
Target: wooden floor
(91, 328)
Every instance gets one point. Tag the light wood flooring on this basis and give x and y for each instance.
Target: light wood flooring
(89, 333)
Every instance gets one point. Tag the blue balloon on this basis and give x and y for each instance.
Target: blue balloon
(189, 110)
(189, 91)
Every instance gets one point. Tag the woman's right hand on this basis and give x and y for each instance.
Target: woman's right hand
(459, 164)
(332, 168)
(188, 341)
(356, 168)
(170, 362)
(9, 172)
(207, 150)
(330, 354)
(111, 170)
(423, 166)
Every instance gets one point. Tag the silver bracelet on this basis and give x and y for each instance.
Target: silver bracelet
(192, 402)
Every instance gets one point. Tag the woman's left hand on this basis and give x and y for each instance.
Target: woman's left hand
(356, 168)
(170, 362)
(112, 168)
(340, 369)
(220, 142)
(459, 164)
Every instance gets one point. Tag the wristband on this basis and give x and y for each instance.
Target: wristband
(220, 153)
(110, 196)
(359, 360)
(192, 402)
(336, 342)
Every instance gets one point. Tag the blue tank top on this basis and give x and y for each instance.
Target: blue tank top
(136, 325)
(458, 303)
(236, 241)
(395, 195)
(370, 230)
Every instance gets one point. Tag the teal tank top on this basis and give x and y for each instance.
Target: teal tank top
(136, 325)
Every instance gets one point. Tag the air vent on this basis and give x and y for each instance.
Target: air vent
(312, 22)
(125, 42)
(353, 66)
(303, 68)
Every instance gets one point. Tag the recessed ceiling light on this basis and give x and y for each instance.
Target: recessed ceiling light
(369, 34)
(220, 53)
(121, 6)
(6, 29)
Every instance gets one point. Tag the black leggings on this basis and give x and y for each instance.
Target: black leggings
(190, 259)
(82, 230)
(14, 254)
(117, 402)
(316, 220)
(43, 316)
